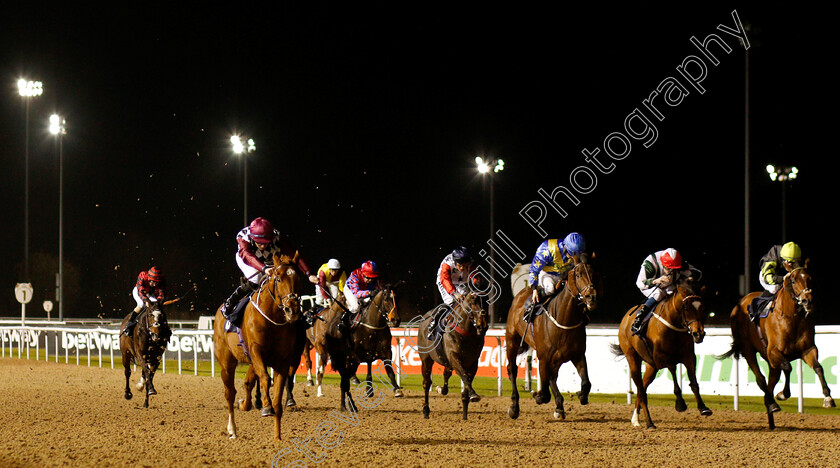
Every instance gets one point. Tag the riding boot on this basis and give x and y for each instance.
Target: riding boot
(641, 314)
(229, 306)
(343, 324)
(430, 335)
(132, 321)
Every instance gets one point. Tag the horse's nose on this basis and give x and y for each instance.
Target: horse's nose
(698, 336)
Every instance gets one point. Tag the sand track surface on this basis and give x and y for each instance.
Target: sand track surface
(67, 415)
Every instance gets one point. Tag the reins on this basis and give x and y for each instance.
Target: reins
(379, 308)
(272, 294)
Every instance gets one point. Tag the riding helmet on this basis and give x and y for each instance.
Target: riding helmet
(461, 255)
(791, 252)
(574, 243)
(333, 264)
(155, 274)
(370, 269)
(671, 259)
(262, 232)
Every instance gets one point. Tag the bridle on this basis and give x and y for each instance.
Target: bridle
(473, 314)
(382, 313)
(288, 304)
(687, 301)
(798, 297)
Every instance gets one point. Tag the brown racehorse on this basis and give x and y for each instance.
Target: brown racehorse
(271, 336)
(558, 335)
(367, 340)
(667, 341)
(457, 346)
(786, 334)
(145, 347)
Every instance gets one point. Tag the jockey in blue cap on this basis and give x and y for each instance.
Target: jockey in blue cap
(553, 259)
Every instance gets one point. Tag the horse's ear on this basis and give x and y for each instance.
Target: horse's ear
(295, 258)
(276, 258)
(807, 261)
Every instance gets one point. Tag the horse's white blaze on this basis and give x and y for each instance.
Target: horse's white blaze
(696, 305)
(231, 427)
(290, 272)
(635, 418)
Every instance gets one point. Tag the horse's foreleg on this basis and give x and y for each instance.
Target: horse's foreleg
(811, 358)
(512, 370)
(544, 395)
(308, 360)
(585, 384)
(646, 380)
(679, 404)
(319, 373)
(281, 375)
(250, 379)
(127, 367)
(690, 363)
(426, 370)
(258, 366)
(559, 410)
(369, 382)
(290, 387)
(769, 402)
(392, 376)
(447, 373)
(785, 393)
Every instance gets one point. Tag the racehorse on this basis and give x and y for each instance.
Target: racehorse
(457, 346)
(667, 341)
(786, 334)
(270, 338)
(558, 335)
(144, 347)
(368, 339)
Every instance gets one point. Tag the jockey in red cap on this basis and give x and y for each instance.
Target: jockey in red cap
(257, 244)
(150, 287)
(657, 280)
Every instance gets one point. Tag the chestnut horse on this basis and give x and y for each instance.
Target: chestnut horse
(786, 334)
(271, 336)
(457, 346)
(145, 347)
(366, 341)
(558, 335)
(667, 341)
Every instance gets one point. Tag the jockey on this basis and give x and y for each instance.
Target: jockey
(773, 266)
(553, 259)
(452, 281)
(150, 286)
(358, 288)
(657, 280)
(331, 280)
(257, 244)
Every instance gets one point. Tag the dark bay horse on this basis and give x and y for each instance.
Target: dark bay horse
(271, 337)
(558, 335)
(456, 347)
(366, 341)
(667, 341)
(786, 334)
(145, 347)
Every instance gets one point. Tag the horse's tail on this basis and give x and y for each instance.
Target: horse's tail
(735, 352)
(616, 350)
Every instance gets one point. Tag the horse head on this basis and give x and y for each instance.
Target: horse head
(386, 301)
(689, 304)
(284, 283)
(798, 283)
(156, 325)
(476, 313)
(580, 283)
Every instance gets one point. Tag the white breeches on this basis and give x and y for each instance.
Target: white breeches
(319, 296)
(352, 301)
(252, 274)
(771, 288)
(548, 281)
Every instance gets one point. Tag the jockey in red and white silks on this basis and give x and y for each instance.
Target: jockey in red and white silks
(453, 275)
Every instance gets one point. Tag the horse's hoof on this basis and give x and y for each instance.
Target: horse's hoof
(291, 404)
(151, 391)
(559, 414)
(475, 398)
(705, 411)
(513, 413)
(442, 390)
(267, 411)
(651, 426)
(828, 402)
(538, 397)
(232, 437)
(583, 399)
(354, 380)
(128, 395)
(774, 408)
(680, 406)
(398, 393)
(781, 396)
(310, 383)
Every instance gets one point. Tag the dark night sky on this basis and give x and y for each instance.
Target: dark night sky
(367, 124)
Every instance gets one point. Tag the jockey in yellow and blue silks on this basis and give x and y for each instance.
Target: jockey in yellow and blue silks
(553, 259)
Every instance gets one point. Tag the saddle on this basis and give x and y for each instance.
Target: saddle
(233, 323)
(760, 307)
